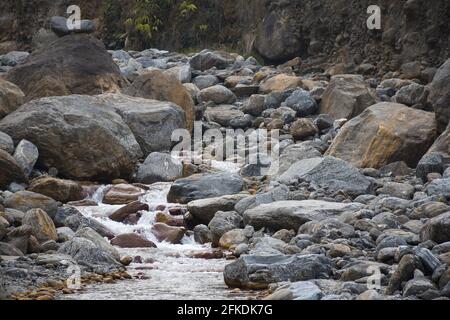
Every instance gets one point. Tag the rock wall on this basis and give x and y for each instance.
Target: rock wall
(412, 30)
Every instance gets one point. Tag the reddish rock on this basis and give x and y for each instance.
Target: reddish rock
(132, 240)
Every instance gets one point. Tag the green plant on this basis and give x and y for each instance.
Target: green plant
(146, 18)
(187, 7)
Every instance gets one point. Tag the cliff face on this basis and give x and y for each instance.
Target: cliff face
(323, 30)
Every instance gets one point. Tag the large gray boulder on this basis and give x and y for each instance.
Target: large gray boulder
(80, 136)
(257, 272)
(152, 122)
(293, 214)
(440, 95)
(329, 172)
(98, 240)
(159, 167)
(202, 186)
(87, 253)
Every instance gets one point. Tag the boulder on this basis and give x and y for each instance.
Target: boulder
(59, 26)
(293, 214)
(131, 208)
(156, 85)
(14, 58)
(385, 133)
(26, 155)
(397, 190)
(303, 128)
(75, 135)
(439, 187)
(280, 83)
(232, 239)
(302, 102)
(169, 234)
(11, 97)
(329, 172)
(206, 81)
(224, 222)
(122, 194)
(6, 143)
(159, 167)
(255, 105)
(27, 200)
(295, 153)
(223, 114)
(132, 240)
(202, 186)
(182, 73)
(440, 95)
(10, 170)
(207, 59)
(257, 272)
(437, 158)
(7, 249)
(75, 64)
(77, 221)
(346, 97)
(98, 240)
(276, 39)
(61, 190)
(86, 253)
(217, 94)
(204, 210)
(437, 229)
(42, 226)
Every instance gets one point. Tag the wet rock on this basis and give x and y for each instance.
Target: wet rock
(79, 128)
(346, 97)
(280, 83)
(26, 200)
(202, 234)
(123, 194)
(11, 97)
(202, 186)
(257, 272)
(207, 59)
(159, 167)
(217, 94)
(204, 210)
(10, 170)
(41, 224)
(55, 70)
(131, 208)
(302, 102)
(440, 95)
(173, 221)
(385, 133)
(58, 189)
(303, 128)
(329, 172)
(293, 214)
(163, 232)
(437, 229)
(156, 85)
(132, 240)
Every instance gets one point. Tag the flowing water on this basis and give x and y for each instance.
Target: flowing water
(168, 272)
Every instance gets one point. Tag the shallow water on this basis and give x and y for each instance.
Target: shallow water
(168, 272)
